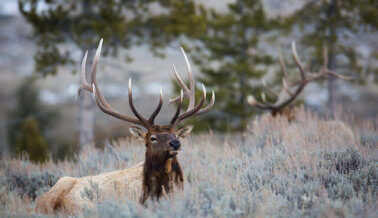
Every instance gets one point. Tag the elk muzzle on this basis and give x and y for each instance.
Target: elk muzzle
(175, 144)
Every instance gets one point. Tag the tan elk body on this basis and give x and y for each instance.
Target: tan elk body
(157, 176)
(68, 194)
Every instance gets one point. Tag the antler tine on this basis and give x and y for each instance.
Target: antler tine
(297, 61)
(157, 110)
(83, 81)
(193, 111)
(285, 80)
(263, 97)
(285, 87)
(338, 75)
(271, 91)
(209, 106)
(94, 78)
(282, 64)
(178, 110)
(95, 62)
(328, 71)
(252, 101)
(131, 103)
(182, 85)
(112, 112)
(188, 93)
(84, 84)
(191, 82)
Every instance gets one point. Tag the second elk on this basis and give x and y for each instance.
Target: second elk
(291, 89)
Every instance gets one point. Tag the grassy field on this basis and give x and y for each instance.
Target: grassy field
(309, 167)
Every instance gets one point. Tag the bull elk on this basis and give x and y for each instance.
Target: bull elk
(160, 173)
(291, 90)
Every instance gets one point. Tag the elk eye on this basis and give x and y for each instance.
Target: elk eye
(153, 138)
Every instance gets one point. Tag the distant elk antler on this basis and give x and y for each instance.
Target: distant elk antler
(291, 90)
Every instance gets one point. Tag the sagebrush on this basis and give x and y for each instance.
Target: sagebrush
(307, 167)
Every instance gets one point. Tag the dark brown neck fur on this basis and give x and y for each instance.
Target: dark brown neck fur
(156, 177)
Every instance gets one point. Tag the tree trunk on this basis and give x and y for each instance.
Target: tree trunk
(332, 81)
(85, 118)
(332, 86)
(242, 82)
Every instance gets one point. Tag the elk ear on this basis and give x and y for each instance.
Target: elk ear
(137, 132)
(184, 131)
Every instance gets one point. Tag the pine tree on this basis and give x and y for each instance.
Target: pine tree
(32, 142)
(229, 55)
(27, 105)
(122, 24)
(330, 23)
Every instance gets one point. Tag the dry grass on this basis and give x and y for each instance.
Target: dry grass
(309, 167)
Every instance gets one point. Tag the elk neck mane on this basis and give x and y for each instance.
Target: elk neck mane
(161, 174)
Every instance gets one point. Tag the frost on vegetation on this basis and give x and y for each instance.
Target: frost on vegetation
(369, 139)
(92, 193)
(308, 167)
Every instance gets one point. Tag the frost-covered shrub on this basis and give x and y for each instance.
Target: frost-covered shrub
(281, 169)
(369, 139)
(92, 193)
(31, 185)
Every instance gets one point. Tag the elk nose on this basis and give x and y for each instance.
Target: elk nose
(175, 144)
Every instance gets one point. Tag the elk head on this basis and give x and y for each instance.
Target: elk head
(162, 141)
(291, 90)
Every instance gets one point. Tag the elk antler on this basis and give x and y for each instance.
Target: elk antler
(189, 93)
(104, 106)
(306, 77)
(101, 102)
